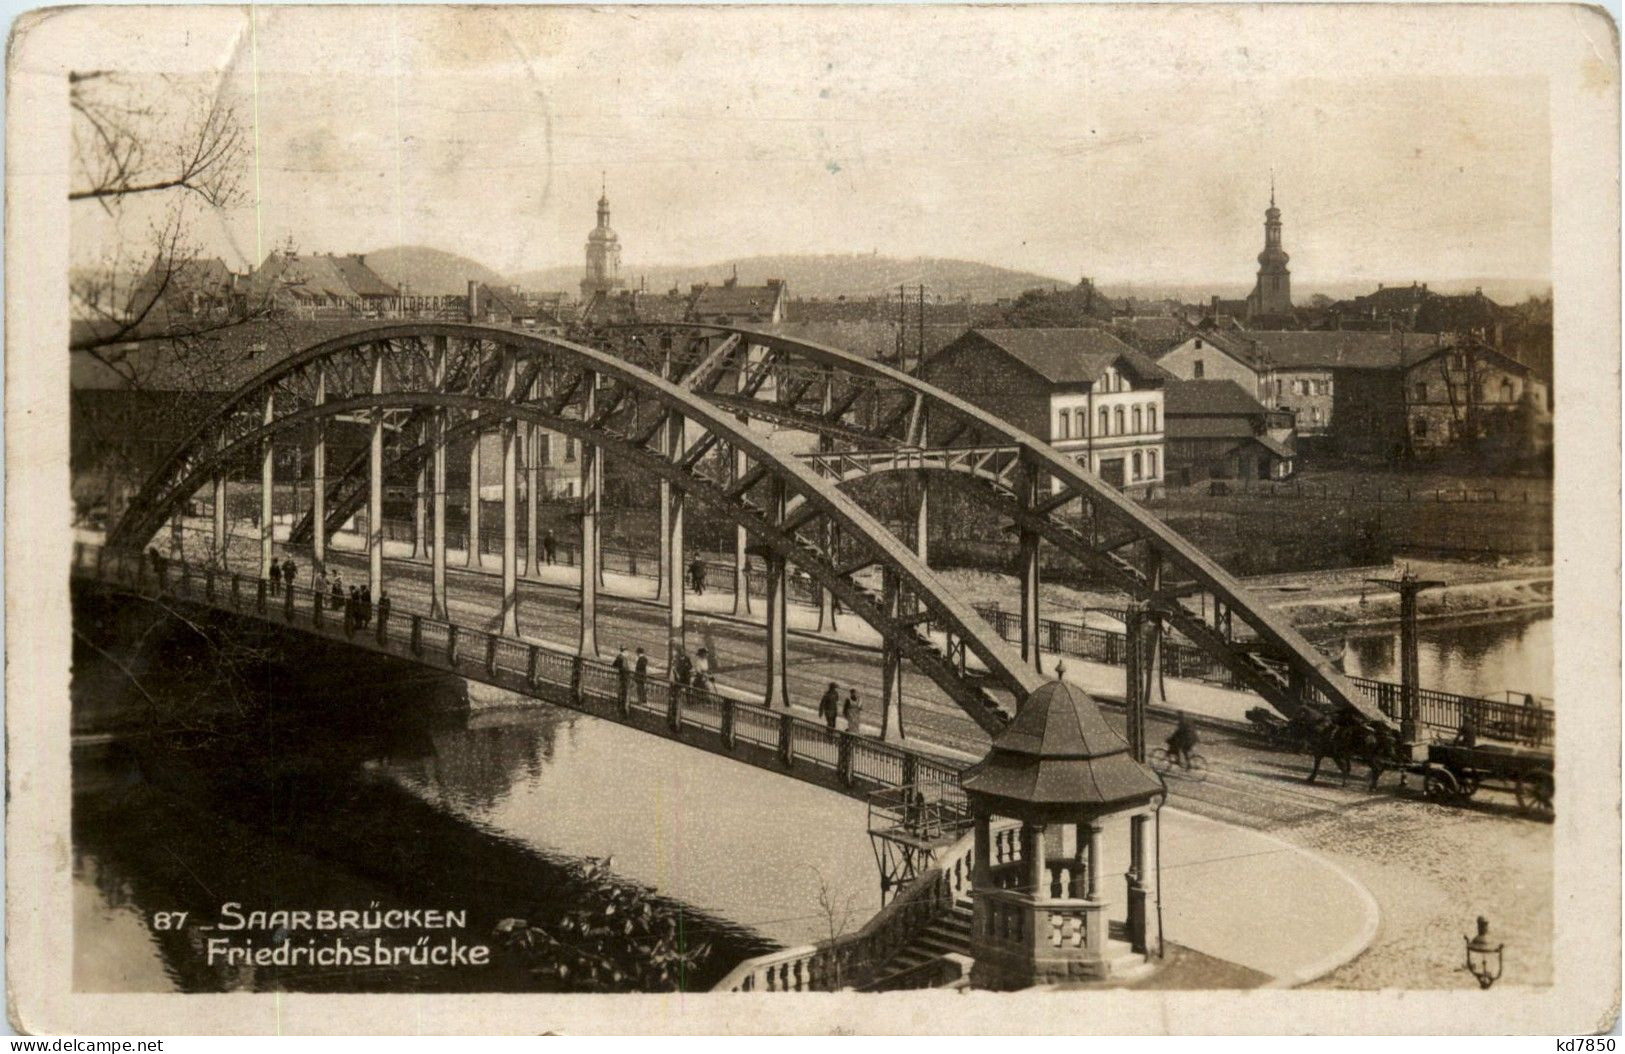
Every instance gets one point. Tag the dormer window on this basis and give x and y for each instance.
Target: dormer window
(1196, 368)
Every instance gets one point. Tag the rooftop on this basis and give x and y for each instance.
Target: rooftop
(1071, 356)
(1208, 397)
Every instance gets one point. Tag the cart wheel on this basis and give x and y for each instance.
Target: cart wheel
(1535, 794)
(1468, 781)
(1198, 770)
(1440, 785)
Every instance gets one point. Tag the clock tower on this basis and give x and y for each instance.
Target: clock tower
(603, 255)
(1272, 295)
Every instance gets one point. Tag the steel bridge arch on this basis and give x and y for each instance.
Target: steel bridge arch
(220, 439)
(937, 419)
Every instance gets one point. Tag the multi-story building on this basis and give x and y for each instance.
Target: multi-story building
(1083, 391)
(1215, 429)
(1471, 396)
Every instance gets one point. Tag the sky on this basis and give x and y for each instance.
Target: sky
(1130, 149)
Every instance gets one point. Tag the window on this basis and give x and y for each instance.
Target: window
(1198, 348)
(1137, 472)
(1422, 391)
(1328, 387)
(1196, 369)
(1064, 426)
(1083, 422)
(1117, 420)
(1151, 464)
(1277, 387)
(1314, 415)
(1151, 419)
(1507, 393)
(1419, 426)
(569, 448)
(1105, 422)
(1320, 387)
(1139, 421)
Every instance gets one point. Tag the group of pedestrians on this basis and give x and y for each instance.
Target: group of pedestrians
(357, 603)
(833, 709)
(633, 674)
(284, 572)
(692, 673)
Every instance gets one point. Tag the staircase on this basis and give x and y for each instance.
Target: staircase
(929, 960)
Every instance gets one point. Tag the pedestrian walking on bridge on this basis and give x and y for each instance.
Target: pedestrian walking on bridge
(383, 608)
(640, 675)
(702, 671)
(276, 578)
(550, 545)
(854, 712)
(290, 570)
(829, 705)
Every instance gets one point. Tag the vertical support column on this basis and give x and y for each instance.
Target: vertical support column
(1153, 647)
(533, 484)
(671, 542)
(1092, 828)
(1094, 922)
(437, 588)
(1033, 856)
(826, 445)
(665, 446)
(777, 696)
(510, 500)
(1027, 570)
(1141, 876)
(1134, 695)
(318, 483)
(220, 538)
(891, 664)
(267, 485)
(375, 485)
(981, 861)
(741, 539)
(473, 543)
(420, 499)
(591, 477)
(922, 542)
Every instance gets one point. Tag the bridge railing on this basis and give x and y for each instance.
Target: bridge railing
(854, 960)
(723, 720)
(1443, 711)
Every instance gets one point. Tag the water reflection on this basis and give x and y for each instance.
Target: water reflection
(1485, 656)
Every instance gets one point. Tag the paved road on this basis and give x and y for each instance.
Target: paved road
(1244, 784)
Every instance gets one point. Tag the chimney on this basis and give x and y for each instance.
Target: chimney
(473, 300)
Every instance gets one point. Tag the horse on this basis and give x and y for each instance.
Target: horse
(1346, 739)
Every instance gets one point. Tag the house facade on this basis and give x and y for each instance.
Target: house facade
(1083, 391)
(1472, 396)
(1216, 430)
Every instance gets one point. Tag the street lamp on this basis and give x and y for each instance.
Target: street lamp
(1483, 957)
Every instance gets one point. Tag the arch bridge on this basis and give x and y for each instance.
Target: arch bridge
(756, 429)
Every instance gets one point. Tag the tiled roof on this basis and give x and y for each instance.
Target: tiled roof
(736, 302)
(1069, 356)
(1152, 334)
(1207, 428)
(1274, 446)
(1060, 752)
(1339, 349)
(315, 277)
(1208, 397)
(871, 339)
(634, 306)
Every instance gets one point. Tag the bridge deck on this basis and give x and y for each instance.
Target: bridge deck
(719, 722)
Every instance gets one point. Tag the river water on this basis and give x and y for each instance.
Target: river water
(1479, 655)
(341, 800)
(336, 803)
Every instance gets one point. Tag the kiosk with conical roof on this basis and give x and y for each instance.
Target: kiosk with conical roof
(1040, 912)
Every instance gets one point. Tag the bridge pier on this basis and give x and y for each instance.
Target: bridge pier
(375, 487)
(591, 478)
(473, 545)
(318, 483)
(437, 576)
(510, 495)
(267, 483)
(533, 479)
(777, 696)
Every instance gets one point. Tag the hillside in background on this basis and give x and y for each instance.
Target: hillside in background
(422, 271)
(829, 276)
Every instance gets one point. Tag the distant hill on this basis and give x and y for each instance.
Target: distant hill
(423, 271)
(848, 274)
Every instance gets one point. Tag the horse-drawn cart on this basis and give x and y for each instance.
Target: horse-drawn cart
(1455, 772)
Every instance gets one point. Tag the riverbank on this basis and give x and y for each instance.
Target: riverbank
(1314, 600)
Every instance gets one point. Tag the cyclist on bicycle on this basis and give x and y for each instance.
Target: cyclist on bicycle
(1182, 742)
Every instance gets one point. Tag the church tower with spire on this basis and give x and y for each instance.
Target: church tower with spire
(603, 255)
(1272, 296)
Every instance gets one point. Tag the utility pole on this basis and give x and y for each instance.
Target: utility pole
(902, 323)
(919, 358)
(1408, 586)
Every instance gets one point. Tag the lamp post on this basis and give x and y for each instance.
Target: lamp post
(1483, 957)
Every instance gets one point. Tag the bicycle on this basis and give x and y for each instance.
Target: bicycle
(1165, 765)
